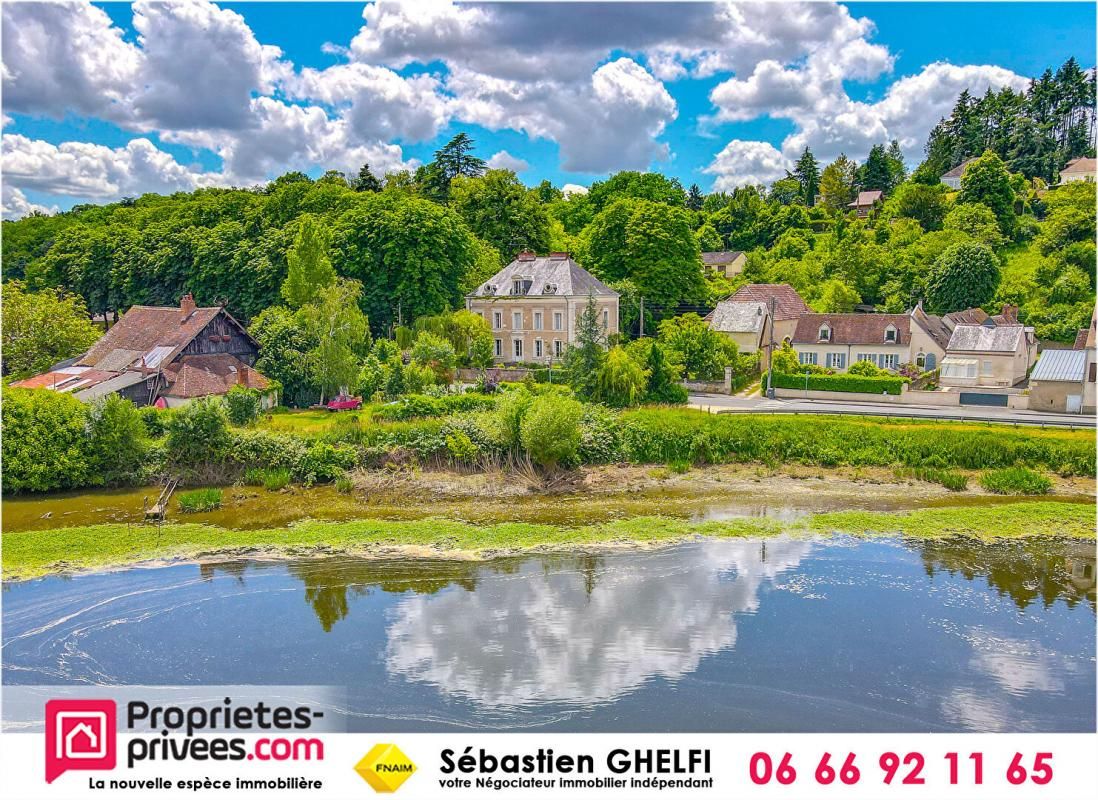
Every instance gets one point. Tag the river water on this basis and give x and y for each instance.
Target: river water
(779, 634)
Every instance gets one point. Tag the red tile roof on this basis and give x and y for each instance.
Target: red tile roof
(65, 380)
(852, 328)
(198, 376)
(787, 303)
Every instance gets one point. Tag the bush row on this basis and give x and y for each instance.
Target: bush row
(887, 384)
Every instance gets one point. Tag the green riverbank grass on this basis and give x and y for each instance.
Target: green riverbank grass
(28, 554)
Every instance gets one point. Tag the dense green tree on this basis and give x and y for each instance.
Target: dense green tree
(837, 184)
(117, 440)
(410, 254)
(807, 173)
(198, 434)
(786, 191)
(650, 186)
(366, 181)
(42, 328)
(621, 380)
(836, 297)
(45, 445)
(453, 159)
(550, 430)
(877, 173)
(964, 276)
(651, 245)
(283, 343)
(502, 212)
(978, 221)
(694, 198)
(341, 336)
(987, 181)
(703, 352)
(927, 205)
(309, 268)
(583, 360)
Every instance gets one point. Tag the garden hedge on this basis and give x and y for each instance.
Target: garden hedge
(888, 384)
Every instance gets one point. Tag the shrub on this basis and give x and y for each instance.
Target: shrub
(461, 447)
(199, 433)
(509, 413)
(242, 405)
(323, 462)
(155, 420)
(371, 377)
(276, 479)
(550, 430)
(116, 440)
(200, 500)
(437, 354)
(413, 406)
(45, 446)
(417, 377)
(599, 440)
(889, 384)
(266, 450)
(1015, 480)
(344, 485)
(866, 369)
(621, 381)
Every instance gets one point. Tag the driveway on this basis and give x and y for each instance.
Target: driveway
(724, 404)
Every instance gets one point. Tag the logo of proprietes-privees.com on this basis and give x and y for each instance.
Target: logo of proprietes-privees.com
(80, 734)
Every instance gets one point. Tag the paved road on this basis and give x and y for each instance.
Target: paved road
(724, 404)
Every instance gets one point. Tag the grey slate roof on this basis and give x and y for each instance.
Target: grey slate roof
(729, 317)
(717, 257)
(982, 339)
(1061, 365)
(560, 273)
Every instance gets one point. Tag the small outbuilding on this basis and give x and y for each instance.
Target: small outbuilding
(1058, 382)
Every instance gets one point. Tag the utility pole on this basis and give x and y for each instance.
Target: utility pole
(642, 319)
(770, 356)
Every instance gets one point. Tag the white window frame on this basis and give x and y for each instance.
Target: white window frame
(987, 368)
(558, 348)
(806, 357)
(537, 320)
(836, 360)
(558, 320)
(517, 348)
(539, 348)
(499, 348)
(606, 319)
(497, 320)
(920, 361)
(891, 335)
(887, 361)
(516, 320)
(824, 334)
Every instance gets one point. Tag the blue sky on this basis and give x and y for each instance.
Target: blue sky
(235, 93)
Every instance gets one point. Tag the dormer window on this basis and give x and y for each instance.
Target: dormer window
(890, 334)
(521, 285)
(825, 333)
(489, 288)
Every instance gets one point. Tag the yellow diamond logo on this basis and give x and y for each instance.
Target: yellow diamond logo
(385, 767)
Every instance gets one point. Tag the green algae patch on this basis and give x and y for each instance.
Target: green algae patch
(1012, 520)
(28, 554)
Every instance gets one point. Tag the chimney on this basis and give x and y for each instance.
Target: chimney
(242, 376)
(558, 256)
(186, 307)
(526, 255)
(1010, 312)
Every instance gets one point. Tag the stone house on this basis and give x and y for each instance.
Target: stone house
(747, 324)
(724, 262)
(988, 355)
(886, 340)
(866, 202)
(755, 335)
(164, 356)
(534, 303)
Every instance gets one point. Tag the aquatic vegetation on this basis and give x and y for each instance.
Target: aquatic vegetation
(1015, 480)
(31, 553)
(200, 500)
(954, 481)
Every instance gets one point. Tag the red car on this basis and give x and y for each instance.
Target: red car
(345, 403)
